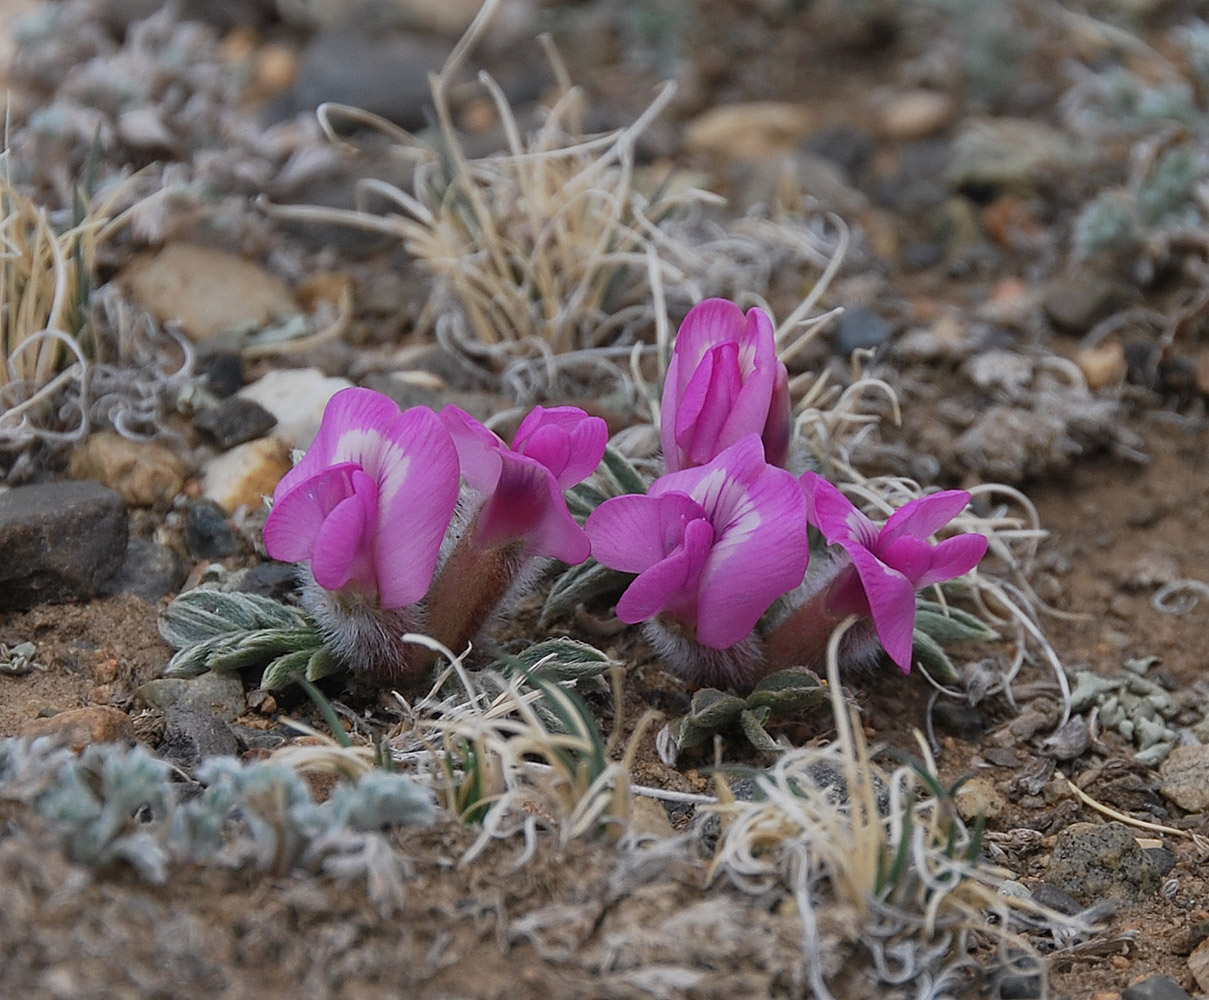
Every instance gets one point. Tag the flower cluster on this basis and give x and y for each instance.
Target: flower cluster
(723, 536)
(371, 505)
(719, 546)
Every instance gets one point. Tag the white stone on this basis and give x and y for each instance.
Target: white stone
(297, 397)
(245, 475)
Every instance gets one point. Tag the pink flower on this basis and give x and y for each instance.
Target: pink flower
(723, 383)
(552, 451)
(889, 565)
(713, 546)
(370, 502)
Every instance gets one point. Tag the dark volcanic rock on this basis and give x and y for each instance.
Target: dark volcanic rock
(1093, 861)
(234, 421)
(208, 532)
(61, 541)
(1156, 988)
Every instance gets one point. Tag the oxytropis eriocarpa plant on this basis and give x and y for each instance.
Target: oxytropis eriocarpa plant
(721, 542)
(412, 523)
(369, 509)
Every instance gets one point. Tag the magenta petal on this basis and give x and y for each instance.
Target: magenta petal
(549, 445)
(709, 322)
(669, 409)
(926, 515)
(588, 442)
(909, 555)
(708, 406)
(761, 553)
(723, 482)
(478, 448)
(349, 412)
(954, 557)
(418, 482)
(834, 514)
(297, 514)
(558, 536)
(670, 582)
(565, 440)
(341, 547)
(892, 603)
(778, 426)
(632, 533)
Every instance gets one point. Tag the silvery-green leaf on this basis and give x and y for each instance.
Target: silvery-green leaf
(788, 691)
(714, 710)
(934, 660)
(201, 614)
(194, 659)
(755, 732)
(254, 648)
(951, 624)
(685, 733)
(618, 474)
(561, 659)
(285, 670)
(582, 583)
(323, 663)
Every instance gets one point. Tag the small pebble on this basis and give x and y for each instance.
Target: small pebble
(1155, 988)
(916, 114)
(78, 728)
(208, 532)
(1103, 365)
(1185, 778)
(234, 421)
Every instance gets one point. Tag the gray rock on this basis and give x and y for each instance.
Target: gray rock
(234, 421)
(1069, 742)
(1056, 899)
(1092, 861)
(849, 148)
(860, 328)
(222, 373)
(1077, 302)
(208, 532)
(385, 74)
(149, 571)
(61, 542)
(1162, 858)
(191, 736)
(1185, 776)
(212, 693)
(1155, 988)
(1020, 986)
(1009, 154)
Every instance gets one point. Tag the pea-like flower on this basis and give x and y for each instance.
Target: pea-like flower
(370, 502)
(891, 563)
(713, 546)
(553, 449)
(724, 382)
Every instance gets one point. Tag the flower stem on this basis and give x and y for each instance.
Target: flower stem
(470, 586)
(801, 639)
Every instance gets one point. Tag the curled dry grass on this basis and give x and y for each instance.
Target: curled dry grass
(549, 261)
(46, 278)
